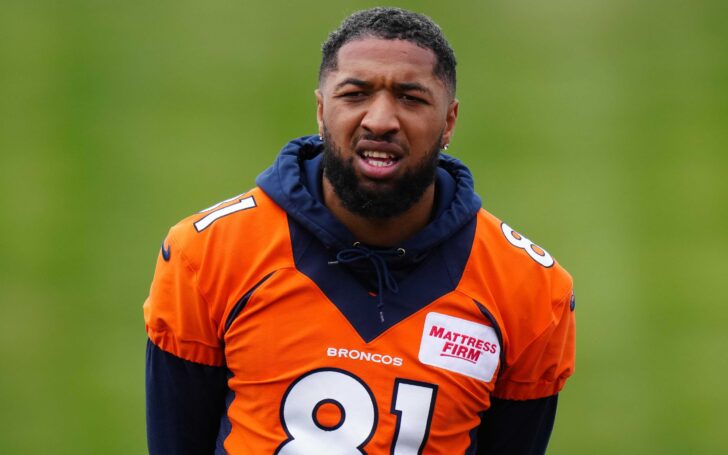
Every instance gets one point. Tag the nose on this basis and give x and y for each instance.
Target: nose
(381, 116)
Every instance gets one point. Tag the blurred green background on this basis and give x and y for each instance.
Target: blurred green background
(597, 128)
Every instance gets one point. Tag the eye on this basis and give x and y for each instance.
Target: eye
(410, 99)
(353, 95)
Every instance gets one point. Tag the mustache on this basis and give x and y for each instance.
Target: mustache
(387, 137)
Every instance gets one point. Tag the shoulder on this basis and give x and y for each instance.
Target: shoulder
(516, 256)
(530, 296)
(513, 276)
(208, 261)
(230, 231)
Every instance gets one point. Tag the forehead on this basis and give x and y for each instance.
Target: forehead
(394, 59)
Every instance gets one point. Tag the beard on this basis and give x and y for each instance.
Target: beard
(393, 198)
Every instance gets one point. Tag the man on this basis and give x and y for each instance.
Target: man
(359, 299)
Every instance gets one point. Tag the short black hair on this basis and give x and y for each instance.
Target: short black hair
(392, 24)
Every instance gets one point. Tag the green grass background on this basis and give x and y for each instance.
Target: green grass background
(597, 128)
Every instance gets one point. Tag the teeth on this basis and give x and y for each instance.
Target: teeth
(378, 155)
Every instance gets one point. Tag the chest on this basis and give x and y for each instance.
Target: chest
(304, 378)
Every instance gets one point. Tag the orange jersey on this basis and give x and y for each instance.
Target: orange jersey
(313, 369)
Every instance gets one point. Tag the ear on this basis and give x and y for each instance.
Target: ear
(450, 120)
(319, 111)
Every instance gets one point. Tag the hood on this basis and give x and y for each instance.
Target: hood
(294, 183)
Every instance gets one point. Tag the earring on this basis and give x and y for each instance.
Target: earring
(321, 138)
(445, 147)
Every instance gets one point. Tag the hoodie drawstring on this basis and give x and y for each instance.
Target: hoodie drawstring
(377, 258)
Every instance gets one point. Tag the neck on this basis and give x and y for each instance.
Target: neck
(388, 232)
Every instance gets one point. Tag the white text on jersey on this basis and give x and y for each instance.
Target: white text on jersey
(353, 354)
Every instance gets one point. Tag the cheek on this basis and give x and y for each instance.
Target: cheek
(424, 130)
(340, 121)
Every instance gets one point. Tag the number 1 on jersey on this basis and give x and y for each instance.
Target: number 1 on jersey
(413, 403)
(243, 204)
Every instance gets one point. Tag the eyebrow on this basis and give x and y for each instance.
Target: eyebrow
(353, 81)
(413, 87)
(402, 86)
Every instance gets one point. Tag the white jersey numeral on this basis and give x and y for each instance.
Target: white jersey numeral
(243, 204)
(412, 402)
(537, 253)
(307, 434)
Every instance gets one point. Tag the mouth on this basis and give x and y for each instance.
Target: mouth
(377, 158)
(379, 153)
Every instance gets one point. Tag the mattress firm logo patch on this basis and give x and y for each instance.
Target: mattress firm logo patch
(461, 346)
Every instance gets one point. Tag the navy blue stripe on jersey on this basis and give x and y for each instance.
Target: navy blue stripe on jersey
(473, 448)
(185, 401)
(225, 424)
(240, 305)
(517, 427)
(441, 269)
(498, 333)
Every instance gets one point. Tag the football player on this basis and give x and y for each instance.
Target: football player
(359, 299)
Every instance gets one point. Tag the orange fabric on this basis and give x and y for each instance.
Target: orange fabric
(532, 306)
(208, 272)
(289, 330)
(262, 375)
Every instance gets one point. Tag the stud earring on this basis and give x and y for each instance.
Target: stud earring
(446, 146)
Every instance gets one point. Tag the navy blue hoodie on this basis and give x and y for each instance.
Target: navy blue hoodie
(294, 183)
